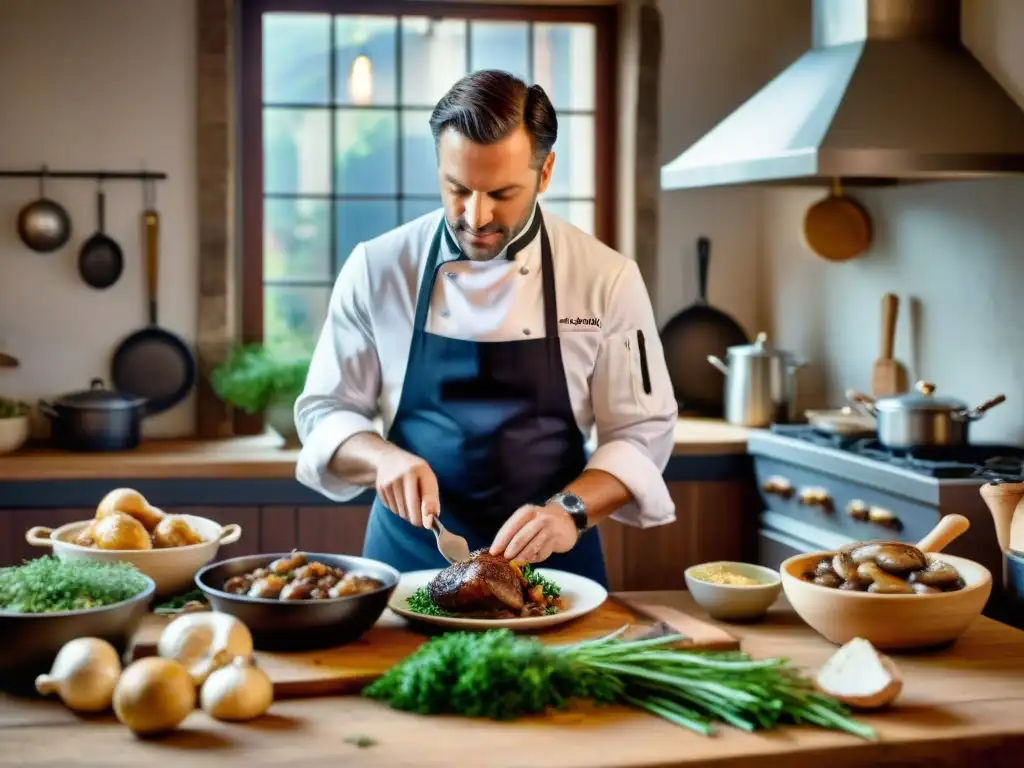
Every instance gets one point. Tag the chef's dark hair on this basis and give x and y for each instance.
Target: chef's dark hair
(488, 105)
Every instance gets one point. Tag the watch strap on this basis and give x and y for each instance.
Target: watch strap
(577, 510)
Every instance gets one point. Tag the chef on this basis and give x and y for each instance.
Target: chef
(490, 338)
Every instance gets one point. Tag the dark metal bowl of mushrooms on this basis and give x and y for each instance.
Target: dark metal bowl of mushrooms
(294, 601)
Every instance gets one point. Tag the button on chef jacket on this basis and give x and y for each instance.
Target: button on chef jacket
(616, 374)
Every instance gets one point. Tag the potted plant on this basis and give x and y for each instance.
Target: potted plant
(14, 424)
(256, 379)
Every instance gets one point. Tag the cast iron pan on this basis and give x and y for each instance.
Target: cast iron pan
(693, 334)
(153, 363)
(101, 261)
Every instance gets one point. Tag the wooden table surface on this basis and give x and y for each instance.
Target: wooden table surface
(959, 705)
(264, 456)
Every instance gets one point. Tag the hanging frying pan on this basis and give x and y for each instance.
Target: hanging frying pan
(44, 224)
(153, 363)
(837, 227)
(101, 261)
(693, 334)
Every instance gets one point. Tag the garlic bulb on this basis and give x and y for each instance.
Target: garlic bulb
(239, 691)
(154, 695)
(83, 674)
(204, 642)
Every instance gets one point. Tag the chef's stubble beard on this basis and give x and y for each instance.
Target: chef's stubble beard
(520, 225)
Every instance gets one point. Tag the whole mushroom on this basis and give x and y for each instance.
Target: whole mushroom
(204, 642)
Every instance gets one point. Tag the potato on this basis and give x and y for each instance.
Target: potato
(174, 531)
(128, 501)
(120, 531)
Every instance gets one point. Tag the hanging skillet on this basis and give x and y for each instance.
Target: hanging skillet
(44, 224)
(153, 363)
(837, 227)
(693, 334)
(101, 261)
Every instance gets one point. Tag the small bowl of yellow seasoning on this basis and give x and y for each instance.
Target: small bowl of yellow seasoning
(731, 591)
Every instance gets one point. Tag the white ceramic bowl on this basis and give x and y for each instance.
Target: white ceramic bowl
(14, 433)
(173, 569)
(734, 602)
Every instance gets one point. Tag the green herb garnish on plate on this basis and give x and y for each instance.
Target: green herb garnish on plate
(49, 585)
(502, 676)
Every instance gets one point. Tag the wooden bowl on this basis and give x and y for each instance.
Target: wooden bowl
(173, 569)
(889, 622)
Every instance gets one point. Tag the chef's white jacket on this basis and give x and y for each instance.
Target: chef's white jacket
(359, 363)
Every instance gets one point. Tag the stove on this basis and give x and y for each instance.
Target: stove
(821, 491)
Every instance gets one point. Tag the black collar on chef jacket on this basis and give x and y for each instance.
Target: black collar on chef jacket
(512, 250)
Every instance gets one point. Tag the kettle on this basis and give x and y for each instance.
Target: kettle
(760, 383)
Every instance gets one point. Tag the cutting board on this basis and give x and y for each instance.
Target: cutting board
(348, 668)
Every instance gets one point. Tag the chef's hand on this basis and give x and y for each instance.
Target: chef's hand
(408, 487)
(534, 533)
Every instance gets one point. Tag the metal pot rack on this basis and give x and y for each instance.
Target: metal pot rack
(97, 175)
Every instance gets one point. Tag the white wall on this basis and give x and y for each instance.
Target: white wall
(952, 251)
(715, 56)
(97, 84)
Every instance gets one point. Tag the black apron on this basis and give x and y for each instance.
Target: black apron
(494, 421)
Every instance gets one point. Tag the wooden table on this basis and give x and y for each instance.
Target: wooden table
(960, 705)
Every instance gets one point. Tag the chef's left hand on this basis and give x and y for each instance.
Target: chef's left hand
(534, 533)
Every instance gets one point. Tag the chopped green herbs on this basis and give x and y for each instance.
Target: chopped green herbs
(48, 584)
(420, 602)
(551, 590)
(500, 675)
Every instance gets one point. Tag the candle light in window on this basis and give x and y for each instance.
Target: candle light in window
(360, 80)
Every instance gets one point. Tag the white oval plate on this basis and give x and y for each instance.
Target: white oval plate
(580, 595)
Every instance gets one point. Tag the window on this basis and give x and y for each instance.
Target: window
(336, 144)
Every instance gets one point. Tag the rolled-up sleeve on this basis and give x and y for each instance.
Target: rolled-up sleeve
(343, 384)
(635, 410)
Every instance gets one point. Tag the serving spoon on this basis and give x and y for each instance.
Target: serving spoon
(454, 549)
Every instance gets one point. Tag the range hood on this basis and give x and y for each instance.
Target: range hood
(887, 94)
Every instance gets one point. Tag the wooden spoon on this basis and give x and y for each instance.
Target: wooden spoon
(948, 528)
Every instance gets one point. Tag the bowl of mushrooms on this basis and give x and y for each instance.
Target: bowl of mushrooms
(169, 548)
(899, 596)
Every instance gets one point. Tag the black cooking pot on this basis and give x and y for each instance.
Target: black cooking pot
(95, 419)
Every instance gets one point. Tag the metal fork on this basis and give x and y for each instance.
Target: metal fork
(454, 549)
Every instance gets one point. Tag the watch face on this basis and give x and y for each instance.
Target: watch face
(571, 501)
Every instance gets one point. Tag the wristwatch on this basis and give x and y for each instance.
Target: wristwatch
(577, 510)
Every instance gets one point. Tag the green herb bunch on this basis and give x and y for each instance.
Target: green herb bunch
(253, 376)
(13, 409)
(500, 675)
(48, 584)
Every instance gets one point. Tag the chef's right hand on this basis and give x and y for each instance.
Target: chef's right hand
(408, 487)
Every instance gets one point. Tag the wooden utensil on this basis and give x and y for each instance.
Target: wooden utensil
(888, 376)
(836, 227)
(8, 361)
(348, 668)
(950, 527)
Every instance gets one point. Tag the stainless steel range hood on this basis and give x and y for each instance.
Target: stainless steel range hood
(887, 94)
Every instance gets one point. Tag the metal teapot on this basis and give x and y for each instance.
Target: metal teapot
(760, 383)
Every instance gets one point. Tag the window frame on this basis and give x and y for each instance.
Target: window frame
(250, 154)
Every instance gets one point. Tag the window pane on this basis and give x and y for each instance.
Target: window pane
(296, 239)
(359, 220)
(365, 58)
(296, 148)
(419, 160)
(433, 58)
(296, 58)
(367, 144)
(579, 213)
(413, 209)
(573, 175)
(500, 45)
(293, 316)
(564, 63)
